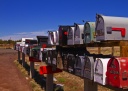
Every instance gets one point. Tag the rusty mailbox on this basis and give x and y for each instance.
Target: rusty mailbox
(117, 72)
(79, 65)
(89, 32)
(89, 67)
(100, 68)
(111, 28)
(78, 34)
(70, 36)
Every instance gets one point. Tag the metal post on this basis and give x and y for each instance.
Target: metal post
(49, 82)
(90, 86)
(32, 69)
(23, 59)
(19, 56)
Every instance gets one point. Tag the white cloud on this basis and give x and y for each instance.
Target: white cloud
(18, 36)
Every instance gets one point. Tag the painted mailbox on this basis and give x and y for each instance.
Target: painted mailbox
(100, 68)
(117, 72)
(89, 32)
(78, 34)
(111, 28)
(70, 36)
(89, 67)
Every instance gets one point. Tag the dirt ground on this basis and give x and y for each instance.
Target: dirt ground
(11, 79)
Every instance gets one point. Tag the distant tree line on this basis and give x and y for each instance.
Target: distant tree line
(8, 41)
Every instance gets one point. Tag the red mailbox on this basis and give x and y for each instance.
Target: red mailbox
(117, 72)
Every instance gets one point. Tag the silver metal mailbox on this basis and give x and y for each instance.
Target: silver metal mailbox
(89, 67)
(57, 37)
(111, 28)
(51, 37)
(89, 32)
(78, 34)
(79, 65)
(70, 36)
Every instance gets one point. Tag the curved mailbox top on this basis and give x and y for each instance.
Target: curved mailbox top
(111, 28)
(78, 34)
(52, 37)
(89, 32)
(57, 37)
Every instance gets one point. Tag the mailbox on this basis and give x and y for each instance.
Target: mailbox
(51, 37)
(35, 52)
(54, 57)
(111, 28)
(89, 67)
(63, 35)
(70, 36)
(89, 32)
(79, 65)
(44, 55)
(117, 72)
(71, 63)
(100, 68)
(42, 40)
(57, 37)
(30, 41)
(78, 34)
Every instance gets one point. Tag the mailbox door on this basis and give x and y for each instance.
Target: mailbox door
(78, 34)
(54, 58)
(113, 72)
(49, 38)
(71, 36)
(89, 67)
(100, 32)
(71, 63)
(49, 60)
(78, 66)
(98, 71)
(89, 32)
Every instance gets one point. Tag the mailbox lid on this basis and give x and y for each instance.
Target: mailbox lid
(78, 34)
(89, 32)
(70, 36)
(89, 67)
(104, 25)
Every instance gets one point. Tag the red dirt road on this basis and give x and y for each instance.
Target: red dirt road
(11, 78)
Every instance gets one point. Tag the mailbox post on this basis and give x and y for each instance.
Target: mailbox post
(32, 69)
(49, 82)
(18, 55)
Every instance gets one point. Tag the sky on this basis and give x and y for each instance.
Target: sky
(31, 18)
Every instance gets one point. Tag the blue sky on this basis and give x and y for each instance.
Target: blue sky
(29, 18)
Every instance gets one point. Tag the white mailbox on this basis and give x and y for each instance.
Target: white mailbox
(78, 34)
(70, 36)
(89, 67)
(100, 68)
(79, 65)
(111, 28)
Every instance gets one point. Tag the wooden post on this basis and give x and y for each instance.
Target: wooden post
(32, 69)
(18, 56)
(49, 82)
(90, 86)
(23, 59)
(99, 50)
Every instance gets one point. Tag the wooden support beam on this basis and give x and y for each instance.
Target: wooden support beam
(49, 82)
(32, 71)
(19, 56)
(23, 59)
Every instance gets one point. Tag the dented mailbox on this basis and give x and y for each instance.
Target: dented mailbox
(117, 72)
(100, 68)
(71, 36)
(89, 32)
(78, 34)
(111, 28)
(89, 67)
